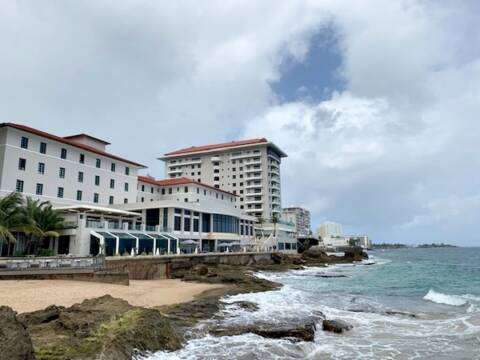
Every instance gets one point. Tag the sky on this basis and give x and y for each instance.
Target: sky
(376, 102)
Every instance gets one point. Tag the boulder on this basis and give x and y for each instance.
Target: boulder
(303, 332)
(246, 305)
(336, 326)
(356, 254)
(315, 252)
(200, 269)
(15, 342)
(277, 258)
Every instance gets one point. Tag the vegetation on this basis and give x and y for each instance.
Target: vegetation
(36, 220)
(274, 221)
(389, 246)
(434, 245)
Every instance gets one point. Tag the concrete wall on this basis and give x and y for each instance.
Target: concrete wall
(108, 277)
(164, 267)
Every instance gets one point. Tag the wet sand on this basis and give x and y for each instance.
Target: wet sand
(31, 295)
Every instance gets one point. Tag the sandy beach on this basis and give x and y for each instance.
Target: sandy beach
(31, 295)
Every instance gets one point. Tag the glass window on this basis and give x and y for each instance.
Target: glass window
(126, 186)
(60, 192)
(169, 190)
(127, 170)
(142, 199)
(177, 224)
(110, 200)
(165, 218)
(61, 173)
(95, 197)
(163, 191)
(22, 163)
(41, 168)
(39, 189)
(151, 189)
(97, 180)
(178, 211)
(19, 186)
(186, 189)
(79, 195)
(43, 148)
(186, 224)
(195, 225)
(125, 201)
(112, 183)
(63, 153)
(82, 159)
(98, 163)
(112, 167)
(80, 176)
(24, 142)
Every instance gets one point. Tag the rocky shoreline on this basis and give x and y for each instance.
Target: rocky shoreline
(110, 328)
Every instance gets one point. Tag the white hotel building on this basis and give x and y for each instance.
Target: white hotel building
(113, 209)
(247, 168)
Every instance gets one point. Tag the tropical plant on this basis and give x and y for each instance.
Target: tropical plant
(10, 216)
(274, 221)
(261, 221)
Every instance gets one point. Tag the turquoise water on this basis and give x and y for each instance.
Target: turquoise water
(403, 304)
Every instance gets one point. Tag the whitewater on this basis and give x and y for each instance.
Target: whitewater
(403, 304)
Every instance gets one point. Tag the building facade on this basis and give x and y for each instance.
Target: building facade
(300, 217)
(64, 170)
(329, 229)
(249, 169)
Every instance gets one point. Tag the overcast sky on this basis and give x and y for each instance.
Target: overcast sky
(377, 103)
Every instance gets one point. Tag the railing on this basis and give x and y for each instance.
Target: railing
(114, 225)
(93, 224)
(150, 228)
(53, 263)
(135, 227)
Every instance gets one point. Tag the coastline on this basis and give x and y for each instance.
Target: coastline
(111, 328)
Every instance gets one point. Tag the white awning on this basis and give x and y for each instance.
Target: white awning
(96, 209)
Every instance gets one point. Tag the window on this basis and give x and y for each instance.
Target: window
(80, 176)
(186, 224)
(22, 163)
(39, 189)
(206, 223)
(110, 200)
(98, 163)
(185, 200)
(24, 142)
(125, 201)
(126, 186)
(216, 178)
(41, 168)
(79, 195)
(43, 148)
(61, 173)
(165, 218)
(142, 199)
(163, 191)
(198, 190)
(112, 183)
(19, 186)
(177, 223)
(216, 171)
(195, 225)
(60, 192)
(151, 189)
(169, 190)
(112, 167)
(143, 188)
(186, 189)
(127, 170)
(63, 153)
(97, 180)
(95, 198)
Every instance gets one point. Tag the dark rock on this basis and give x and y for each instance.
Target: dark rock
(315, 252)
(277, 258)
(15, 342)
(356, 254)
(330, 275)
(246, 305)
(402, 313)
(200, 269)
(42, 316)
(336, 326)
(304, 332)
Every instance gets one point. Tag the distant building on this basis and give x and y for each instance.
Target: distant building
(247, 168)
(329, 229)
(300, 217)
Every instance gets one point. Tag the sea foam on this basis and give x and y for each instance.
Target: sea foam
(439, 298)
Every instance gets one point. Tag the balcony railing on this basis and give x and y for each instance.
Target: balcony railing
(93, 224)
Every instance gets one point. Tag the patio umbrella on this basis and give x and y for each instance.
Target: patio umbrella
(132, 253)
(158, 252)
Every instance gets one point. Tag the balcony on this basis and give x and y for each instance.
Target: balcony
(176, 171)
(259, 169)
(254, 210)
(254, 177)
(215, 159)
(253, 186)
(244, 156)
(253, 193)
(253, 201)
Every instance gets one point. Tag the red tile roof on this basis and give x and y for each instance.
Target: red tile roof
(178, 181)
(68, 142)
(195, 149)
(72, 137)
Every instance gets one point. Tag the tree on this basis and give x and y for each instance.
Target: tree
(261, 221)
(10, 216)
(41, 221)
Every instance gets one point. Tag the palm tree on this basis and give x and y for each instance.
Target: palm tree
(10, 216)
(41, 221)
(261, 221)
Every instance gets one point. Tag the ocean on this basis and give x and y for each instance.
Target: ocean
(403, 304)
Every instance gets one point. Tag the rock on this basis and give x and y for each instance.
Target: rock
(15, 342)
(246, 305)
(402, 313)
(336, 326)
(356, 254)
(330, 275)
(304, 332)
(200, 269)
(104, 327)
(277, 258)
(315, 252)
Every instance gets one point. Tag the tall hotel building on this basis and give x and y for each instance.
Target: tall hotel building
(64, 170)
(249, 169)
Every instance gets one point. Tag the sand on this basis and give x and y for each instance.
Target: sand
(31, 295)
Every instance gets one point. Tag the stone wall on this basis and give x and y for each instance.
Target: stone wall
(165, 267)
(109, 277)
